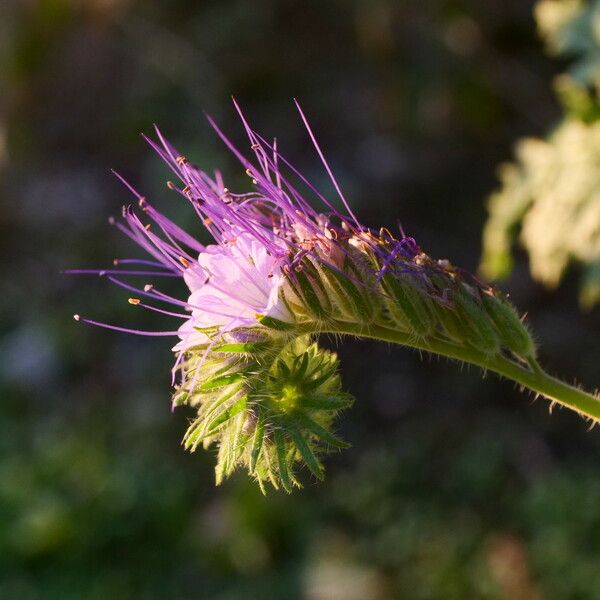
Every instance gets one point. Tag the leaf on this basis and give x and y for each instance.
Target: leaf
(319, 431)
(257, 443)
(236, 408)
(221, 381)
(319, 381)
(284, 472)
(332, 403)
(300, 365)
(307, 454)
(273, 323)
(247, 348)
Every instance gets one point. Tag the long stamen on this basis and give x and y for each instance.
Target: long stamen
(124, 329)
(118, 272)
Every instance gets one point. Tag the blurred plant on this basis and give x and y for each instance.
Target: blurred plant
(551, 190)
(279, 275)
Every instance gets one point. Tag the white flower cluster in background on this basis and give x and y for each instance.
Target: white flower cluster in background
(550, 196)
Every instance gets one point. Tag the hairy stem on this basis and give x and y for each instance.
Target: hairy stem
(535, 378)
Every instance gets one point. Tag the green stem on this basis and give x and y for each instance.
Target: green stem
(536, 379)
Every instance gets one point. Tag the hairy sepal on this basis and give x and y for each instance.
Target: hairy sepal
(268, 405)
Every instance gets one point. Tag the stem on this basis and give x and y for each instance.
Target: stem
(536, 379)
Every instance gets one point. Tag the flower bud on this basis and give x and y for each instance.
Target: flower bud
(514, 333)
(478, 329)
(269, 406)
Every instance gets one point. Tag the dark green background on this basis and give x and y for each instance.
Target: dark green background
(457, 486)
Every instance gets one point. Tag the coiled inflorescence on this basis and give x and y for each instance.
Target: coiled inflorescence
(279, 274)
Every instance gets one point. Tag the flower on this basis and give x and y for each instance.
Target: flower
(279, 274)
(230, 284)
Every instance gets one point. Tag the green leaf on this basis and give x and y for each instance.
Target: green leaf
(307, 454)
(236, 408)
(257, 443)
(273, 323)
(284, 472)
(332, 403)
(319, 431)
(221, 381)
(319, 381)
(247, 348)
(300, 366)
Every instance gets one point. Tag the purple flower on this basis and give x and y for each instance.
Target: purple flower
(261, 238)
(231, 284)
(278, 274)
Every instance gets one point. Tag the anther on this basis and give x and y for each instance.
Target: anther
(134, 301)
(116, 262)
(111, 220)
(207, 221)
(181, 160)
(76, 317)
(184, 262)
(148, 287)
(171, 185)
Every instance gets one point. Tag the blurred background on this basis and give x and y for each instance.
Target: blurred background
(458, 486)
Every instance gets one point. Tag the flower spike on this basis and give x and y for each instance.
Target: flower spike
(279, 274)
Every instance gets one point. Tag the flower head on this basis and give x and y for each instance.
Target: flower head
(230, 284)
(279, 273)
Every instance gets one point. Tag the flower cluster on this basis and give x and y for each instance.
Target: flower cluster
(279, 274)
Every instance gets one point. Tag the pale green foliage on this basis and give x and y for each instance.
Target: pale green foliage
(553, 191)
(549, 196)
(571, 28)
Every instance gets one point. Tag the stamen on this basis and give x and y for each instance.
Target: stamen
(125, 329)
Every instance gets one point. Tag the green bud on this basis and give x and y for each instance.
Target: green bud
(514, 333)
(409, 306)
(305, 293)
(349, 298)
(269, 406)
(479, 330)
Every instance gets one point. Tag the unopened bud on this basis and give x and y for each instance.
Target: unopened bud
(514, 333)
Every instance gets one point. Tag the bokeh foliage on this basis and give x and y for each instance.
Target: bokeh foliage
(457, 487)
(549, 196)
